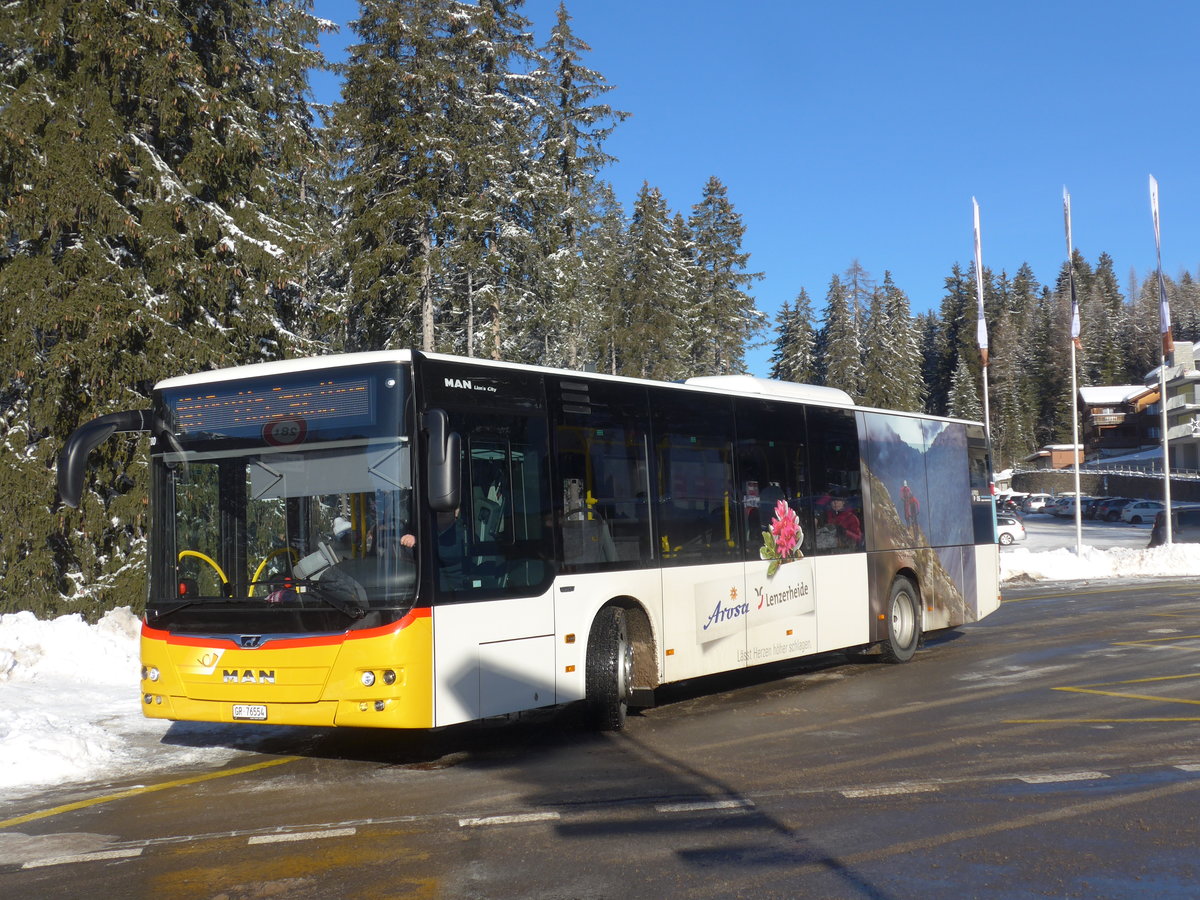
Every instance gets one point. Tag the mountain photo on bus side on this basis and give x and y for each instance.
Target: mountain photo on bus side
(918, 474)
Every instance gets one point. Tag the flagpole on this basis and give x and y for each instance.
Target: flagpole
(1168, 344)
(1074, 377)
(981, 329)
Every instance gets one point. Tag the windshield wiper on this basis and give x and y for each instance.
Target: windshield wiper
(338, 590)
(184, 604)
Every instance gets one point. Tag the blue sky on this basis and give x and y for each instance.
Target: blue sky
(862, 130)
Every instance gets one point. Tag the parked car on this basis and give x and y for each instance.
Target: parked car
(1110, 509)
(1091, 506)
(1185, 526)
(1010, 528)
(1065, 506)
(1035, 502)
(1140, 511)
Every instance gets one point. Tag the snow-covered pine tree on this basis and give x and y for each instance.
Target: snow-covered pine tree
(726, 315)
(571, 201)
(1012, 424)
(955, 337)
(892, 353)
(840, 343)
(601, 318)
(878, 366)
(1104, 304)
(490, 235)
(964, 401)
(153, 223)
(397, 127)
(653, 297)
(794, 356)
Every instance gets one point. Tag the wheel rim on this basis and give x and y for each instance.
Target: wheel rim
(625, 670)
(904, 619)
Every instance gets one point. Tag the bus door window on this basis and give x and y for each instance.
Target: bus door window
(836, 480)
(498, 540)
(699, 508)
(603, 473)
(772, 458)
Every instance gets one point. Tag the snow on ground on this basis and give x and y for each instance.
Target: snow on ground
(69, 690)
(69, 695)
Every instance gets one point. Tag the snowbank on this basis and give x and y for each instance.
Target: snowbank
(69, 692)
(1064, 565)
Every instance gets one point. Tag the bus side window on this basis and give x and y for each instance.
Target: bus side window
(699, 508)
(836, 480)
(772, 469)
(601, 449)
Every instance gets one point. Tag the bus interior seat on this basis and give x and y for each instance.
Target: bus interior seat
(587, 540)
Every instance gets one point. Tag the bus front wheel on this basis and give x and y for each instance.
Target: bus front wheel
(609, 678)
(904, 622)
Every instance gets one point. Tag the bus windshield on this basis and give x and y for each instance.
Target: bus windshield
(295, 520)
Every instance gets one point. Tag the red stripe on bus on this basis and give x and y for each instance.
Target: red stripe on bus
(184, 640)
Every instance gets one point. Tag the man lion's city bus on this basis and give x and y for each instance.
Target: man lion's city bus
(409, 540)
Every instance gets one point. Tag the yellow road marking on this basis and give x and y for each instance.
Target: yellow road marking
(1162, 640)
(1094, 689)
(145, 789)
(1146, 680)
(1080, 690)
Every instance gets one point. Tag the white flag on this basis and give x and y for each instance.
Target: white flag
(1071, 270)
(981, 329)
(1164, 311)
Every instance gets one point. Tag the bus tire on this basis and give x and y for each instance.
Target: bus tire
(903, 622)
(609, 676)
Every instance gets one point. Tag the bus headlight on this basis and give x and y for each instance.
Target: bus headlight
(389, 676)
(150, 674)
(368, 679)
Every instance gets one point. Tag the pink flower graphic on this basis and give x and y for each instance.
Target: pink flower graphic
(782, 542)
(786, 528)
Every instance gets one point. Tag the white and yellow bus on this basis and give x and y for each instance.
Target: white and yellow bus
(408, 540)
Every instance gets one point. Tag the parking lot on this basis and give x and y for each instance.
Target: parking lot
(1047, 532)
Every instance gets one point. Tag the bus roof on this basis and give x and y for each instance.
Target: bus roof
(286, 366)
(735, 384)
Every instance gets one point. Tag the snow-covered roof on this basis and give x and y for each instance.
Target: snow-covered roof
(1111, 395)
(748, 384)
(1151, 453)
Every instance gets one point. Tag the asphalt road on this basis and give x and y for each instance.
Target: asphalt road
(1049, 751)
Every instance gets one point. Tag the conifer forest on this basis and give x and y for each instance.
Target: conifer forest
(172, 199)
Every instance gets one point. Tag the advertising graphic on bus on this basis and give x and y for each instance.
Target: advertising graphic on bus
(409, 540)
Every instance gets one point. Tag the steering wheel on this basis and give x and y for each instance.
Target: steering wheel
(279, 551)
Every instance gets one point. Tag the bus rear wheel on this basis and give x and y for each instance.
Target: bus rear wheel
(609, 677)
(904, 622)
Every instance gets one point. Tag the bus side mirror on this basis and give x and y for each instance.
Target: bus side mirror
(443, 462)
(72, 462)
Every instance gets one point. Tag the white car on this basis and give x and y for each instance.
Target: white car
(1009, 529)
(1065, 506)
(1140, 511)
(1034, 502)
